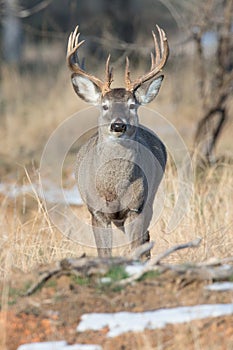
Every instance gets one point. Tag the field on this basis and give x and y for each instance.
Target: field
(33, 103)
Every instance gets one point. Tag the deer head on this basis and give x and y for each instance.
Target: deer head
(119, 105)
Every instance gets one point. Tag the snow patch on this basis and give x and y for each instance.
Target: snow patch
(50, 193)
(59, 345)
(53, 345)
(134, 269)
(220, 286)
(122, 322)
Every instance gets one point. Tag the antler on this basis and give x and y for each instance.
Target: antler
(157, 62)
(72, 47)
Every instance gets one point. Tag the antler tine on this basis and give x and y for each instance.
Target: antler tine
(108, 72)
(162, 37)
(158, 48)
(107, 69)
(72, 47)
(76, 36)
(157, 62)
(127, 74)
(152, 61)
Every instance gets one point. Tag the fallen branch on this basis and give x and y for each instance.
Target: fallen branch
(82, 266)
(43, 278)
(215, 262)
(138, 252)
(157, 259)
(85, 266)
(153, 264)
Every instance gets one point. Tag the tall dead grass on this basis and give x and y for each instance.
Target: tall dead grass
(208, 216)
(28, 237)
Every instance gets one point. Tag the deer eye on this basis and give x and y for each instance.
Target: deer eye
(105, 107)
(132, 106)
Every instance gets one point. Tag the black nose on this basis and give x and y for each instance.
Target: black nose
(118, 126)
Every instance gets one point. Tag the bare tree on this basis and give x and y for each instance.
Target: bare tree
(12, 32)
(12, 27)
(215, 74)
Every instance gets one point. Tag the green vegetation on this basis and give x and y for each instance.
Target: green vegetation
(116, 273)
(80, 280)
(149, 275)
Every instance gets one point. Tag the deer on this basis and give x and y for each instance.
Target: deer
(119, 168)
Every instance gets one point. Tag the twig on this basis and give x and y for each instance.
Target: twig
(216, 262)
(138, 252)
(156, 260)
(37, 8)
(153, 264)
(45, 276)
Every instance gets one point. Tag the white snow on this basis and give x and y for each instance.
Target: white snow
(122, 322)
(56, 345)
(220, 286)
(59, 345)
(50, 192)
(134, 269)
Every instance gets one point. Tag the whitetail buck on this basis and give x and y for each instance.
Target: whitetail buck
(119, 168)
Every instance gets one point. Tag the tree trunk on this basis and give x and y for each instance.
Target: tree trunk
(11, 33)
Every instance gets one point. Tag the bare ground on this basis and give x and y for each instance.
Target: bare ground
(54, 311)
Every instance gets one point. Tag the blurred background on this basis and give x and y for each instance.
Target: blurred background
(35, 88)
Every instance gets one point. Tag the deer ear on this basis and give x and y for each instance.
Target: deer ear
(147, 92)
(86, 89)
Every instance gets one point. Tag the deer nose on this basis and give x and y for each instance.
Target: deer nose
(118, 126)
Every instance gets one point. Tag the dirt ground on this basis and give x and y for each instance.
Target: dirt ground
(54, 311)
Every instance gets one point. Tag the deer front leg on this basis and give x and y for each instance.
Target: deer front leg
(103, 234)
(136, 229)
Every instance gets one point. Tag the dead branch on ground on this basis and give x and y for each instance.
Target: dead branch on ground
(212, 270)
(85, 266)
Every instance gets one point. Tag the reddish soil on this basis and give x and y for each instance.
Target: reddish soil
(53, 313)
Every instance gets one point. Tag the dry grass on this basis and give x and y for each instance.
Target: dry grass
(29, 238)
(209, 216)
(33, 104)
